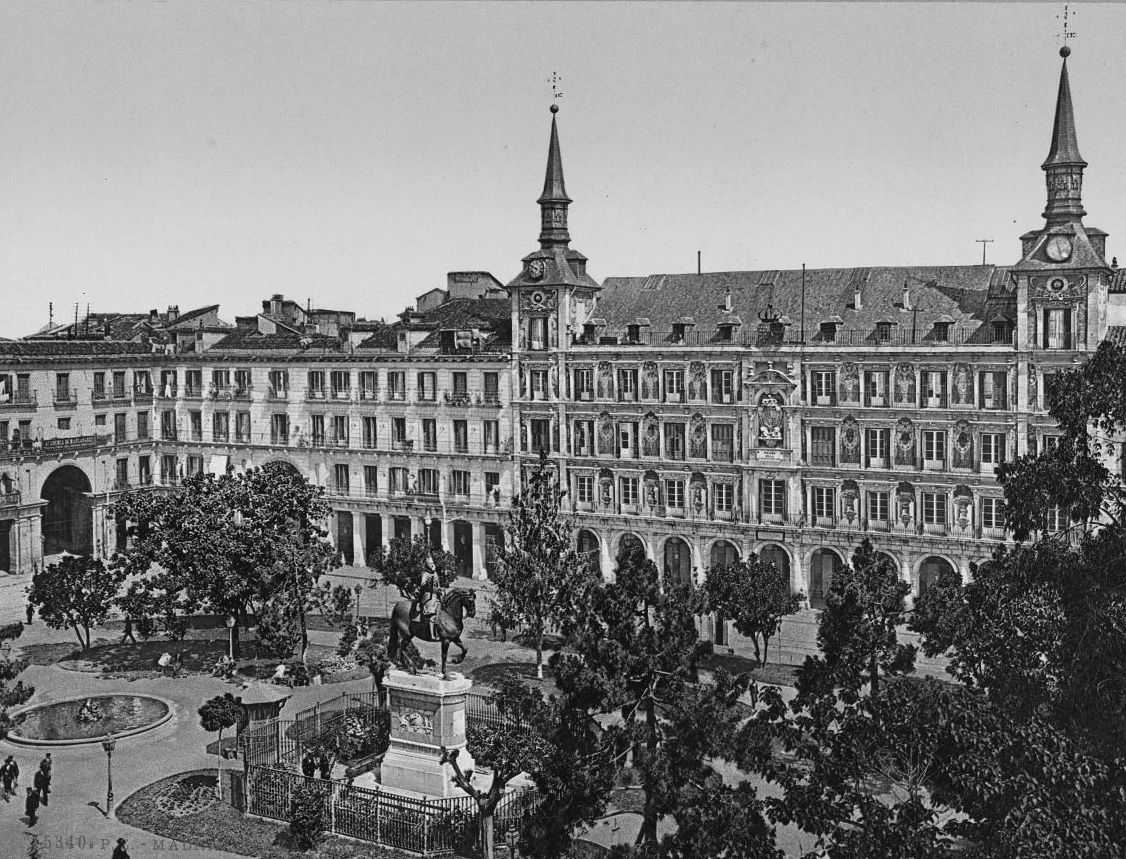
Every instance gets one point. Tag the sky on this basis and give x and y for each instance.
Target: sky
(194, 153)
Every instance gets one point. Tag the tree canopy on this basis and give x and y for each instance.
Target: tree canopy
(755, 595)
(76, 593)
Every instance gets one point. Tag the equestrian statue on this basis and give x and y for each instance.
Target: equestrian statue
(431, 615)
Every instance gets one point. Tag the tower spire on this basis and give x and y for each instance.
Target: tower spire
(554, 200)
(1063, 168)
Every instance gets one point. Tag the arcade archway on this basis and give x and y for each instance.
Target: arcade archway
(779, 557)
(724, 554)
(589, 549)
(930, 570)
(678, 562)
(823, 564)
(68, 520)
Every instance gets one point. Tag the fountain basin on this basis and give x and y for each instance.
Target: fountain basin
(88, 719)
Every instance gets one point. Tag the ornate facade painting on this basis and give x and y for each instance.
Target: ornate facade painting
(905, 502)
(904, 442)
(605, 380)
(650, 436)
(963, 445)
(850, 383)
(699, 496)
(904, 383)
(650, 381)
(652, 493)
(850, 440)
(850, 493)
(606, 432)
(606, 491)
(698, 437)
(963, 507)
(962, 385)
(771, 425)
(697, 381)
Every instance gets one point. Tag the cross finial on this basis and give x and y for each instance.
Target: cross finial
(1066, 33)
(556, 93)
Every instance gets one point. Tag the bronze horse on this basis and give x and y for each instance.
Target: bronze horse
(448, 624)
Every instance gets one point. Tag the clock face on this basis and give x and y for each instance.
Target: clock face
(535, 269)
(1058, 248)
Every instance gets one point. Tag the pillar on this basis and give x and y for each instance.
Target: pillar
(479, 571)
(359, 537)
(798, 572)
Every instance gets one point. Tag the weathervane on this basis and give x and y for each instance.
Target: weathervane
(1067, 32)
(556, 93)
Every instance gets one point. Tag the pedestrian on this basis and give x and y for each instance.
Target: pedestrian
(42, 785)
(46, 763)
(309, 765)
(324, 765)
(30, 612)
(14, 769)
(128, 634)
(31, 807)
(119, 852)
(6, 776)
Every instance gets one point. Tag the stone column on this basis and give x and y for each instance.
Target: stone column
(479, 571)
(359, 536)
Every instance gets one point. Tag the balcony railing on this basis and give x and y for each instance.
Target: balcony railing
(142, 395)
(341, 394)
(193, 392)
(19, 400)
(168, 392)
(168, 434)
(316, 394)
(369, 395)
(277, 394)
(66, 399)
(279, 438)
(99, 398)
(121, 483)
(10, 499)
(403, 445)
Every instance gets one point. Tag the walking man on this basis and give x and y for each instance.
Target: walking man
(30, 612)
(14, 771)
(46, 763)
(127, 635)
(43, 785)
(31, 807)
(6, 776)
(309, 765)
(324, 765)
(119, 852)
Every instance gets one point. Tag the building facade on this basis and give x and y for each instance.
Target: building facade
(712, 416)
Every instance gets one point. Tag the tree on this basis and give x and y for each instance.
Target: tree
(403, 562)
(755, 595)
(372, 653)
(857, 628)
(217, 714)
(638, 655)
(76, 593)
(541, 579)
(11, 694)
(508, 749)
(308, 813)
(230, 544)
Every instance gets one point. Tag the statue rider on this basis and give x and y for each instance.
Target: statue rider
(426, 599)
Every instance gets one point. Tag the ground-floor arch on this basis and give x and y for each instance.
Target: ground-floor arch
(68, 520)
(723, 553)
(930, 569)
(823, 565)
(777, 555)
(589, 549)
(677, 562)
(463, 547)
(628, 542)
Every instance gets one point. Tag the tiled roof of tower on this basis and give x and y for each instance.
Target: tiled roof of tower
(958, 292)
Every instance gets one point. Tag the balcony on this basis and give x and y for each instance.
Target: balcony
(396, 396)
(142, 395)
(99, 398)
(426, 401)
(168, 392)
(459, 399)
(169, 434)
(341, 394)
(19, 400)
(144, 480)
(316, 394)
(10, 499)
(121, 483)
(277, 395)
(279, 438)
(119, 395)
(461, 447)
(193, 392)
(403, 445)
(338, 489)
(674, 397)
(491, 400)
(66, 399)
(242, 393)
(369, 395)
(585, 396)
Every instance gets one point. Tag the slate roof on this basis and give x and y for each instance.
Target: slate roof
(486, 314)
(960, 293)
(1118, 280)
(282, 341)
(1116, 334)
(51, 348)
(184, 318)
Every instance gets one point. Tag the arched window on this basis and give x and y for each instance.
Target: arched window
(777, 556)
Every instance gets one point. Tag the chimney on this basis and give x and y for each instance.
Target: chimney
(856, 305)
(173, 312)
(906, 297)
(153, 315)
(276, 304)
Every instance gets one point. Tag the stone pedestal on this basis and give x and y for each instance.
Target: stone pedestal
(427, 713)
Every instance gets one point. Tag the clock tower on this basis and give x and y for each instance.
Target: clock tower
(1062, 278)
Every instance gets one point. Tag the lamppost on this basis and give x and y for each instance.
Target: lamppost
(108, 744)
(232, 620)
(359, 589)
(511, 839)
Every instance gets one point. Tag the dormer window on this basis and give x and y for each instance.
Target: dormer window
(883, 331)
(828, 332)
(589, 333)
(1002, 332)
(942, 332)
(633, 333)
(725, 329)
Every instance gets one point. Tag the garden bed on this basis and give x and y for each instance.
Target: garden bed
(177, 807)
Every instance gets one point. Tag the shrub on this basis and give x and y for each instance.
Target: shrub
(308, 813)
